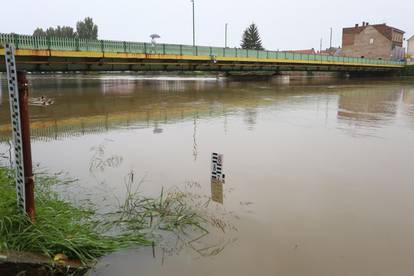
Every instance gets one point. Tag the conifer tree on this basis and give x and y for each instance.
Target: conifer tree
(251, 38)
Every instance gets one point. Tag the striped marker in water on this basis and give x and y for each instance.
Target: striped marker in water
(217, 166)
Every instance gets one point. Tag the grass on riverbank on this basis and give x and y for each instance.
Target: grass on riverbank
(60, 228)
(76, 231)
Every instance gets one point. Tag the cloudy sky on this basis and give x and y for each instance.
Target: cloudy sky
(288, 24)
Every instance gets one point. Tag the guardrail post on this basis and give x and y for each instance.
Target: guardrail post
(102, 46)
(247, 51)
(125, 47)
(163, 49)
(77, 44)
(236, 52)
(196, 48)
(36, 42)
(16, 40)
(48, 42)
(181, 50)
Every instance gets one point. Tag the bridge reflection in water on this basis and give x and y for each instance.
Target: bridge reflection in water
(95, 104)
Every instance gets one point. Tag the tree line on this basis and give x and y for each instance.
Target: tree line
(85, 29)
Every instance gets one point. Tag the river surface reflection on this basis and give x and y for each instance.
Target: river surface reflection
(319, 174)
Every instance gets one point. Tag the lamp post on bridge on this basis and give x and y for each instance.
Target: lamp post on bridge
(225, 35)
(330, 40)
(320, 46)
(194, 39)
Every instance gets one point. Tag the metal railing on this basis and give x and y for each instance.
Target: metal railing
(77, 44)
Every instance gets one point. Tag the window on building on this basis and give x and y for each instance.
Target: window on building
(371, 41)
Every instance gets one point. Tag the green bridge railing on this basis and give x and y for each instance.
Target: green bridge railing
(76, 44)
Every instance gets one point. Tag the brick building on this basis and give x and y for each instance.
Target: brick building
(373, 41)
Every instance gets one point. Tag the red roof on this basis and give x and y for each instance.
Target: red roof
(306, 51)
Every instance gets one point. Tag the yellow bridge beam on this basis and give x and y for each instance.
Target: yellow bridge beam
(163, 59)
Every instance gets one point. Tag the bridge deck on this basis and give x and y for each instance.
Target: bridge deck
(61, 54)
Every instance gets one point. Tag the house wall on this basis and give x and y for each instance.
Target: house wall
(398, 53)
(380, 48)
(410, 47)
(398, 38)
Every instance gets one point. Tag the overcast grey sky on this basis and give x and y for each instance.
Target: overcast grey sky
(290, 24)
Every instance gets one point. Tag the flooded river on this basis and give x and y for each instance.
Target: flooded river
(319, 174)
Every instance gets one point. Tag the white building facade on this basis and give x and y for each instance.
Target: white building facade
(410, 47)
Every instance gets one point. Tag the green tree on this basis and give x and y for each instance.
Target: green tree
(66, 31)
(39, 32)
(59, 31)
(50, 32)
(251, 38)
(87, 29)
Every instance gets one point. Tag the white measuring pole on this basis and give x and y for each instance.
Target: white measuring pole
(17, 138)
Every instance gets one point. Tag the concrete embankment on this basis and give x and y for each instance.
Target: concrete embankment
(409, 70)
(15, 263)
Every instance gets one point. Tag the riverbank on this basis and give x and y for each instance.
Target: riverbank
(62, 230)
(65, 234)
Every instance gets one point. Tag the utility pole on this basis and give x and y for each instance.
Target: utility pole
(330, 40)
(225, 35)
(320, 47)
(194, 38)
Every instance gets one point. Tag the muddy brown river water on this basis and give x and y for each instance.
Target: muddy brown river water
(319, 173)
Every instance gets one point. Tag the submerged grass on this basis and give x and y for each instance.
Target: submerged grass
(171, 211)
(78, 231)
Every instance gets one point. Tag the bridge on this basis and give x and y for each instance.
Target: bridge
(49, 54)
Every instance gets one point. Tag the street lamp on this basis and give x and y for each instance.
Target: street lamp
(192, 1)
(330, 40)
(320, 47)
(225, 35)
